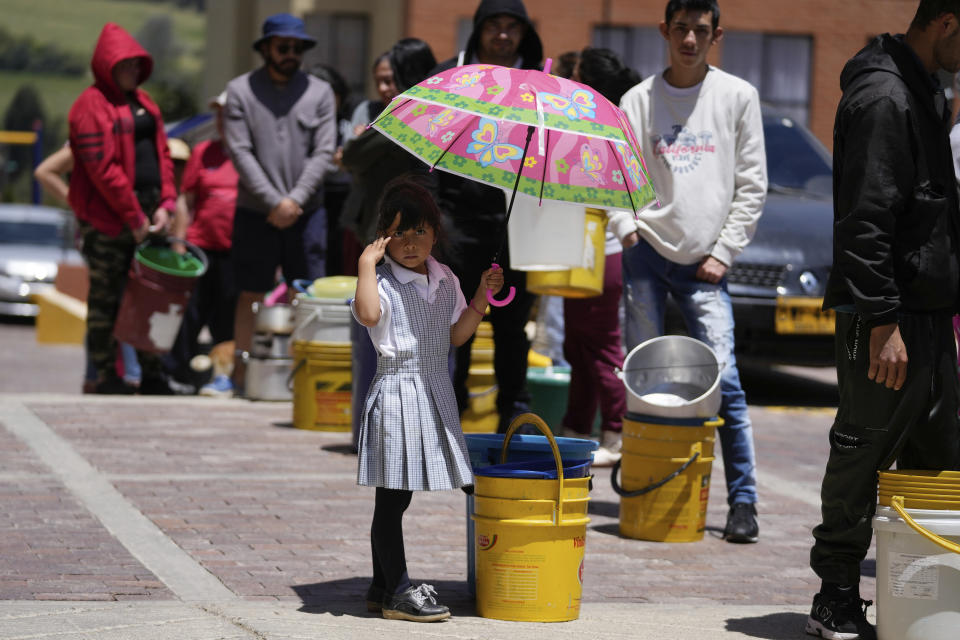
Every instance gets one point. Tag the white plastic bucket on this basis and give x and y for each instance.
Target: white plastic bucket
(321, 320)
(546, 238)
(918, 581)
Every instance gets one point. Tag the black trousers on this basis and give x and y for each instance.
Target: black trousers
(916, 426)
(386, 540)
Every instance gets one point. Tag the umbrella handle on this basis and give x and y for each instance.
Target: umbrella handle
(500, 303)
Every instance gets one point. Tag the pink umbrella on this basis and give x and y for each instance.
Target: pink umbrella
(478, 121)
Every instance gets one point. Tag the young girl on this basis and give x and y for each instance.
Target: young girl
(410, 436)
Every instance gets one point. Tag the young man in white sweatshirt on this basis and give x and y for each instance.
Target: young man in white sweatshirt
(702, 137)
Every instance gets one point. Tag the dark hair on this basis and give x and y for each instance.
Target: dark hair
(565, 63)
(340, 88)
(407, 195)
(385, 56)
(604, 71)
(411, 60)
(694, 5)
(930, 10)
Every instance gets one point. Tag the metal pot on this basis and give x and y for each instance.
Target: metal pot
(270, 345)
(276, 318)
(266, 378)
(672, 377)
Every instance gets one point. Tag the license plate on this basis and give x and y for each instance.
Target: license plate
(803, 316)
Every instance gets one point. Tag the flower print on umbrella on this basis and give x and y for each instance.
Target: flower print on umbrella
(590, 164)
(617, 176)
(488, 148)
(562, 165)
(435, 80)
(418, 110)
(580, 105)
(527, 96)
(530, 162)
(494, 90)
(450, 135)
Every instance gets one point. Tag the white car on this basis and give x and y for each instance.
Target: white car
(34, 239)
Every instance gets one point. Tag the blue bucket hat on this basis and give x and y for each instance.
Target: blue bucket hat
(284, 25)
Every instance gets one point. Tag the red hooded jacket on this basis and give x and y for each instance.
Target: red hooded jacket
(102, 140)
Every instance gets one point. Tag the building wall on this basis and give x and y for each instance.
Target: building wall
(839, 29)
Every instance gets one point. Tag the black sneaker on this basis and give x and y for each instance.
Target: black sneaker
(156, 386)
(416, 604)
(742, 524)
(114, 385)
(374, 599)
(840, 618)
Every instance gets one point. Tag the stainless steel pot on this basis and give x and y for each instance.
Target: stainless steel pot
(672, 377)
(277, 318)
(266, 378)
(270, 345)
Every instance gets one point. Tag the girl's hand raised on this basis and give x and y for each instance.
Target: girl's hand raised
(492, 280)
(373, 252)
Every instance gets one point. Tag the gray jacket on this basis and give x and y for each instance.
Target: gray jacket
(281, 140)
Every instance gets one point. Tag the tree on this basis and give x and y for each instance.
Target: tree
(25, 110)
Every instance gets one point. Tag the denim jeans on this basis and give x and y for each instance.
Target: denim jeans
(708, 315)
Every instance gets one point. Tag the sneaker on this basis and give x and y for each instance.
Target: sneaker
(156, 386)
(609, 452)
(742, 524)
(840, 618)
(114, 385)
(416, 604)
(220, 387)
(374, 599)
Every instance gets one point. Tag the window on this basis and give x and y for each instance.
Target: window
(778, 66)
(642, 48)
(342, 43)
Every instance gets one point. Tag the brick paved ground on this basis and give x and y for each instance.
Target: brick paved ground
(275, 514)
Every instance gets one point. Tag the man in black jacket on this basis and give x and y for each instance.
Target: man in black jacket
(502, 35)
(894, 285)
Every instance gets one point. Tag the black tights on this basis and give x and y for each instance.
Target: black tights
(386, 540)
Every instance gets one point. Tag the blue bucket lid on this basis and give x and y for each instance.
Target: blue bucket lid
(540, 469)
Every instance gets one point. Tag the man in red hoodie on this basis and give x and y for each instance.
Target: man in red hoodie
(121, 189)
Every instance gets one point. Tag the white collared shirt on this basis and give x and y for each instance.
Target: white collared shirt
(426, 285)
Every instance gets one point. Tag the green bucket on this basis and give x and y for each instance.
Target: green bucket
(548, 388)
(166, 260)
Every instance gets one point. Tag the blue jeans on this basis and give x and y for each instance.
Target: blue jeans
(708, 315)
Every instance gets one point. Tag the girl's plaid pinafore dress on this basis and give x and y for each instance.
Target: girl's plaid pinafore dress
(410, 435)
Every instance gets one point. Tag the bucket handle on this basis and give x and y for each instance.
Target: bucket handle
(695, 450)
(897, 503)
(537, 421)
(293, 373)
(310, 317)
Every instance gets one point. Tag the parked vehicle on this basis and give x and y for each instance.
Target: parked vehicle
(33, 241)
(777, 283)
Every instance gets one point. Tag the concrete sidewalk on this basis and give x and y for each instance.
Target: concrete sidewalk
(188, 518)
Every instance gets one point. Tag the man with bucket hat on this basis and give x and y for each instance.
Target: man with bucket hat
(280, 129)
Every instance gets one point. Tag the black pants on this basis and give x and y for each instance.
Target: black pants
(386, 540)
(213, 304)
(917, 427)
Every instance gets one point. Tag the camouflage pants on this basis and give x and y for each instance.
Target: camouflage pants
(108, 260)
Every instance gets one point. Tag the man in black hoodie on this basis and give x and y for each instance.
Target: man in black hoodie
(502, 35)
(894, 285)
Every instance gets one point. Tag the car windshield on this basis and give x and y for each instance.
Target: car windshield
(795, 159)
(32, 233)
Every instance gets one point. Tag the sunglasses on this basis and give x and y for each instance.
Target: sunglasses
(296, 49)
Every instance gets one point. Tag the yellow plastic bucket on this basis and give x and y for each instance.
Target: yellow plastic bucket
(530, 541)
(917, 528)
(665, 469)
(578, 282)
(322, 378)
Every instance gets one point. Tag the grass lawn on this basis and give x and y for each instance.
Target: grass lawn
(75, 25)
